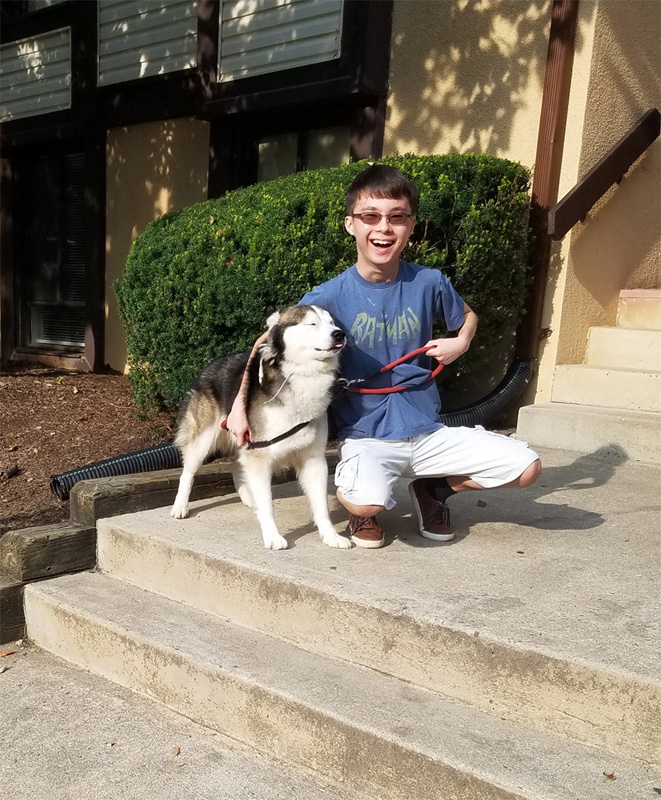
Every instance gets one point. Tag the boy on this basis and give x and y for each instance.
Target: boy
(387, 307)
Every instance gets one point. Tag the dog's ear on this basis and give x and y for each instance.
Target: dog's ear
(269, 350)
(273, 319)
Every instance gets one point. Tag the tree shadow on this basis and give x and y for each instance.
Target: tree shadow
(464, 78)
(588, 471)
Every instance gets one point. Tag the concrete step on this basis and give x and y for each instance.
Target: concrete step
(609, 387)
(639, 308)
(617, 433)
(366, 731)
(465, 620)
(68, 733)
(627, 348)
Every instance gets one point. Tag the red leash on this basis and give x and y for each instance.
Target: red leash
(390, 389)
(348, 386)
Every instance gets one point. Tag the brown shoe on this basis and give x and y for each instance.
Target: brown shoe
(433, 517)
(364, 532)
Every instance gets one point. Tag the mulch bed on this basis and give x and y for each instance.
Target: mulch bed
(53, 421)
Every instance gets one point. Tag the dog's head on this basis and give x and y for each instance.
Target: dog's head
(302, 334)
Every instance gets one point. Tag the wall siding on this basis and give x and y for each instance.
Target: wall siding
(150, 37)
(260, 36)
(35, 75)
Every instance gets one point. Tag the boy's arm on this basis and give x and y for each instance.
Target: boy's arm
(448, 350)
(237, 421)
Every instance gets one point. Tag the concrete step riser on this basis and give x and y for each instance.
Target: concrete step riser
(588, 429)
(640, 312)
(280, 726)
(627, 349)
(609, 388)
(564, 697)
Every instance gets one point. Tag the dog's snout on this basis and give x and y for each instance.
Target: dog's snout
(338, 336)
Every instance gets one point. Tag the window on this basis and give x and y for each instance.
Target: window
(285, 153)
(52, 279)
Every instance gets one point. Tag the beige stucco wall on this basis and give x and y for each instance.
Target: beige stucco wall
(151, 169)
(619, 244)
(467, 77)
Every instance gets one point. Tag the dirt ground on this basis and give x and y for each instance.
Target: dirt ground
(53, 421)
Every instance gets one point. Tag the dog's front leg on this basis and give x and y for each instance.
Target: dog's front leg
(257, 472)
(313, 477)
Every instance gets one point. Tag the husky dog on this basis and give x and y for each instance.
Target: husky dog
(290, 385)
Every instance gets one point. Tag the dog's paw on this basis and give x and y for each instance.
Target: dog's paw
(179, 511)
(341, 542)
(275, 542)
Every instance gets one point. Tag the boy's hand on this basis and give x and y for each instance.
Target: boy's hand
(237, 423)
(447, 350)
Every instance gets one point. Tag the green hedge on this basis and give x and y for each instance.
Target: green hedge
(201, 282)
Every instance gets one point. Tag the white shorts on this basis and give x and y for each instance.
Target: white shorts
(369, 468)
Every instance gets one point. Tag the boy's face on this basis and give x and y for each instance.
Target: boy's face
(380, 245)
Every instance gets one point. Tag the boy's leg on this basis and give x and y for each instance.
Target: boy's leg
(469, 458)
(364, 478)
(526, 478)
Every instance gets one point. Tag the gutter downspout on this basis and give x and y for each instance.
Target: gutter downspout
(548, 163)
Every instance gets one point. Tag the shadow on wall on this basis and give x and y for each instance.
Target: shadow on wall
(619, 245)
(152, 168)
(145, 167)
(462, 70)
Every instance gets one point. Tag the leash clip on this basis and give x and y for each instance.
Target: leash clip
(345, 383)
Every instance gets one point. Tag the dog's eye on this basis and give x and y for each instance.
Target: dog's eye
(313, 324)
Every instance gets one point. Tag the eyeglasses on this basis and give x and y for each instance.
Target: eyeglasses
(374, 218)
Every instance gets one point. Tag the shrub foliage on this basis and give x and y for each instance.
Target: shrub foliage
(201, 282)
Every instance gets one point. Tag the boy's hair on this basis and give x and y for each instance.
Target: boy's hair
(380, 180)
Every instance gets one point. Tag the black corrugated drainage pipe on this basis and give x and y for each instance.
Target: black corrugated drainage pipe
(162, 456)
(167, 456)
(496, 402)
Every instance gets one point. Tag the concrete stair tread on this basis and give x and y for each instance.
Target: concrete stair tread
(478, 583)
(499, 614)
(625, 414)
(625, 331)
(74, 734)
(196, 663)
(604, 368)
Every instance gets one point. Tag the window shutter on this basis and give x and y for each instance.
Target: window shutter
(260, 36)
(149, 37)
(35, 75)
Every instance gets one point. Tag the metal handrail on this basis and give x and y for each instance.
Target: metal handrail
(575, 205)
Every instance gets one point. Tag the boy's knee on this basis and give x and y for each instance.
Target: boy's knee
(359, 510)
(530, 473)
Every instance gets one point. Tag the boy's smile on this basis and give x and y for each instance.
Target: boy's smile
(380, 246)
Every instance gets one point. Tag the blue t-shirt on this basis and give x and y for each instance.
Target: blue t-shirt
(383, 322)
